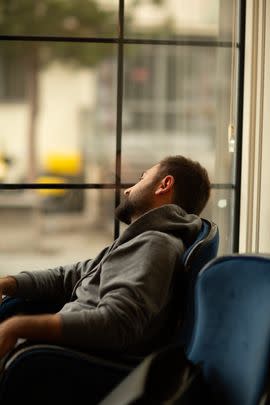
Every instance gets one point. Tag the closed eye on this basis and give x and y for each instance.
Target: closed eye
(142, 176)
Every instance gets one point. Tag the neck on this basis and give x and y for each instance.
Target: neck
(157, 204)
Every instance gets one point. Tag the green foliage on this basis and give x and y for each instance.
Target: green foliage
(155, 2)
(56, 17)
(64, 18)
(72, 18)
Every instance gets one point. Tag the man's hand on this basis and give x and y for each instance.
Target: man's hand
(46, 328)
(8, 286)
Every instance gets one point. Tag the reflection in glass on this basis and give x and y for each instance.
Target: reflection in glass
(81, 18)
(45, 228)
(57, 112)
(176, 102)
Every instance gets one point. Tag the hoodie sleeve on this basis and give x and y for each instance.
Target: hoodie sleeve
(54, 284)
(134, 288)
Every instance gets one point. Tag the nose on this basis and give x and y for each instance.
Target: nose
(127, 191)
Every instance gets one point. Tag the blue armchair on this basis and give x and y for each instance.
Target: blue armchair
(67, 375)
(230, 339)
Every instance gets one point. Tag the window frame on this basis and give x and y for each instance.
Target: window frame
(121, 41)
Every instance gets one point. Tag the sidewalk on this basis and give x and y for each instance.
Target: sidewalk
(51, 248)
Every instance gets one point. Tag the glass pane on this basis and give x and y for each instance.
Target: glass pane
(192, 19)
(176, 102)
(57, 112)
(220, 210)
(83, 18)
(63, 226)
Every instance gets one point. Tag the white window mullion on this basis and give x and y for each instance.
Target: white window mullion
(253, 121)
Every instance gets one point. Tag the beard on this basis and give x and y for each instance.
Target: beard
(135, 206)
(125, 211)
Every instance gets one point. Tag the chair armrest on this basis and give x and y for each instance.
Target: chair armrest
(13, 306)
(71, 375)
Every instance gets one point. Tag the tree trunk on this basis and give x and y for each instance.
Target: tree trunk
(33, 99)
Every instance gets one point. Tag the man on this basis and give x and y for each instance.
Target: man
(121, 299)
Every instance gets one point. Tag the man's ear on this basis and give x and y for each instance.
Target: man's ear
(165, 186)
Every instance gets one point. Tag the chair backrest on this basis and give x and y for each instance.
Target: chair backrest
(231, 335)
(202, 251)
(204, 248)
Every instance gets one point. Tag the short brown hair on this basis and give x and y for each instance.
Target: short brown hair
(192, 184)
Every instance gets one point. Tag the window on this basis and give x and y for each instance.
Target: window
(188, 100)
(95, 100)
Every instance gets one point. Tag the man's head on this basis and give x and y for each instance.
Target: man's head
(174, 180)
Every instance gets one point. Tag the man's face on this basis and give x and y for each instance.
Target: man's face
(139, 198)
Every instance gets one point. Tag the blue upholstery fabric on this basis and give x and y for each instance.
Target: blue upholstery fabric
(202, 251)
(231, 337)
(201, 236)
(204, 248)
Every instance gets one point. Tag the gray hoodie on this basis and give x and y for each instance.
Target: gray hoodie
(121, 299)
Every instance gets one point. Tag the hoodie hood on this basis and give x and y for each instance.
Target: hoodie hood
(170, 219)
